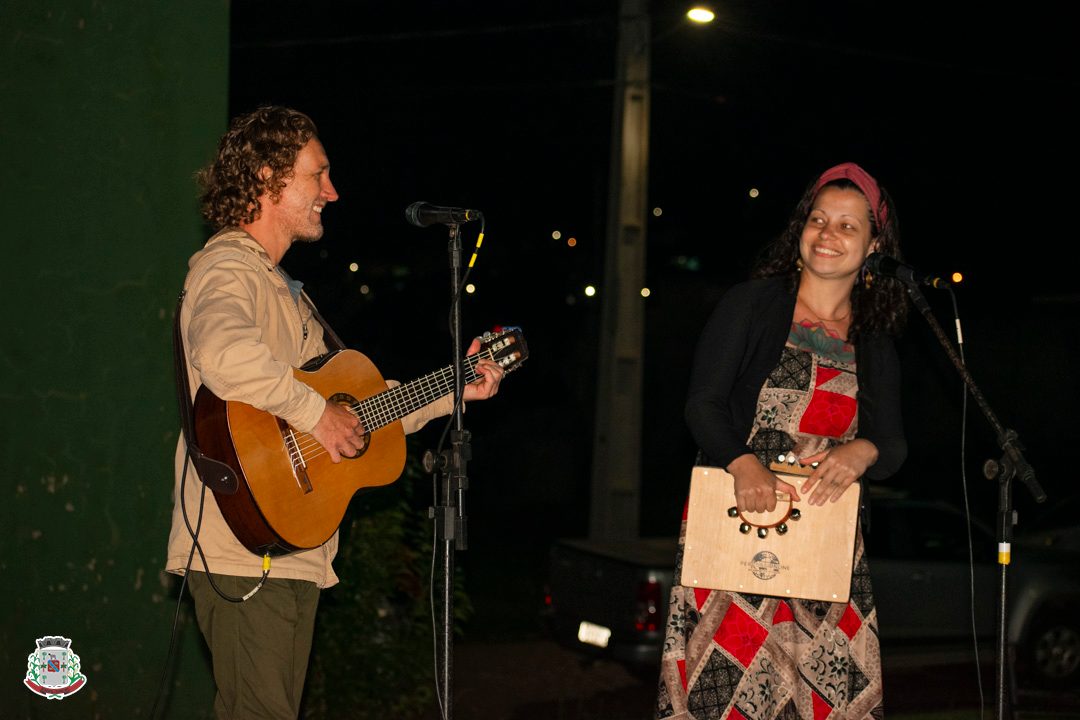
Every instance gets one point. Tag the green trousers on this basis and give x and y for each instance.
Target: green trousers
(260, 647)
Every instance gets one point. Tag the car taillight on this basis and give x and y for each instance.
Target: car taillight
(647, 617)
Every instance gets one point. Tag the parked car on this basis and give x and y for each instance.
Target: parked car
(923, 579)
(611, 599)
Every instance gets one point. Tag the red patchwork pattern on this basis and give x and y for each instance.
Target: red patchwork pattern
(719, 641)
(740, 634)
(821, 708)
(700, 596)
(850, 622)
(828, 413)
(783, 614)
(824, 375)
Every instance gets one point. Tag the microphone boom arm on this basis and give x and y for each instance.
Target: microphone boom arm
(1007, 439)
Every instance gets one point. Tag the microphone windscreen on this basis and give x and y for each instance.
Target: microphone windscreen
(882, 264)
(414, 214)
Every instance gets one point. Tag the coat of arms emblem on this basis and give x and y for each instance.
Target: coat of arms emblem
(53, 669)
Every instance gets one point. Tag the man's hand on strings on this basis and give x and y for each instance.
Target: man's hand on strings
(340, 432)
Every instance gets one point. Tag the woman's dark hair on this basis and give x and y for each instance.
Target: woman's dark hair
(269, 137)
(881, 307)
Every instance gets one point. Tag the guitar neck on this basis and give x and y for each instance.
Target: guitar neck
(397, 402)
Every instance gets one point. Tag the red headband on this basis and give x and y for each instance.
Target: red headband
(864, 181)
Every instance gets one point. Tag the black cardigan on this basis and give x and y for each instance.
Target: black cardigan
(742, 343)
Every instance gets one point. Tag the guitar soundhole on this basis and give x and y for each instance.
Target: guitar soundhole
(351, 404)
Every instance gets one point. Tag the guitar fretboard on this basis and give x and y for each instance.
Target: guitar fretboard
(395, 403)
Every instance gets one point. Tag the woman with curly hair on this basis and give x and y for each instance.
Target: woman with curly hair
(799, 361)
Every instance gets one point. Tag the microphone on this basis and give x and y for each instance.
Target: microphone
(891, 267)
(423, 214)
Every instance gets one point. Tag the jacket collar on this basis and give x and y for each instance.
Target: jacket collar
(235, 238)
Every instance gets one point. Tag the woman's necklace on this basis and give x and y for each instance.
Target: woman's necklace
(822, 318)
(833, 327)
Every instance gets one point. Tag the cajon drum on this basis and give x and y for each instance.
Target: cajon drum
(798, 551)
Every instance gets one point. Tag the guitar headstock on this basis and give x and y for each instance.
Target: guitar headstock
(506, 346)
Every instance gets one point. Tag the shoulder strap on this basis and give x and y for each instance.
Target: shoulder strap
(333, 342)
(218, 476)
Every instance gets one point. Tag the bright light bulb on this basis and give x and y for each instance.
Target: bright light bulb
(701, 15)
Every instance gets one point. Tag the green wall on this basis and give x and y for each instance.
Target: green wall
(106, 111)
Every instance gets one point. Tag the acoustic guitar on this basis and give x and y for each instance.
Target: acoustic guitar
(290, 496)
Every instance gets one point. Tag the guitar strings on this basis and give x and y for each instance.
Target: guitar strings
(381, 409)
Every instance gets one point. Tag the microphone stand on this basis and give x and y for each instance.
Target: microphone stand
(449, 516)
(1011, 464)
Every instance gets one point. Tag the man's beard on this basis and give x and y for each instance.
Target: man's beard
(309, 235)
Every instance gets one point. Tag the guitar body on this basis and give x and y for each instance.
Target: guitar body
(283, 505)
(290, 496)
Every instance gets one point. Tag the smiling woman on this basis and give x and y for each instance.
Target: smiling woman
(797, 363)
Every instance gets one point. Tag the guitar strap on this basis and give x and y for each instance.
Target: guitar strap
(333, 342)
(218, 476)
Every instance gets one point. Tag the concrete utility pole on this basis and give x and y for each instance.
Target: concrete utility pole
(616, 476)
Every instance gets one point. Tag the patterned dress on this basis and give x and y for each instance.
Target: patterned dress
(730, 655)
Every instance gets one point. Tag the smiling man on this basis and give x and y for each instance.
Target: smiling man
(245, 326)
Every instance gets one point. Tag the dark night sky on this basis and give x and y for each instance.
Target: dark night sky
(965, 117)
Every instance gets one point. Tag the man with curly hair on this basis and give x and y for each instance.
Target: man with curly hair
(245, 326)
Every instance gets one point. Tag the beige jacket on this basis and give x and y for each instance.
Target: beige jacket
(243, 335)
